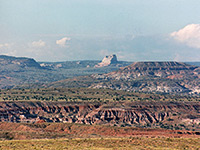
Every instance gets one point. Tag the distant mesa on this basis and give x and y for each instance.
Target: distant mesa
(107, 60)
(22, 62)
(145, 70)
(156, 69)
(165, 77)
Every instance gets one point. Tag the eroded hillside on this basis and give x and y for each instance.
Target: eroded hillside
(168, 115)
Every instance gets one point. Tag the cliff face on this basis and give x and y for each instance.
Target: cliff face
(118, 114)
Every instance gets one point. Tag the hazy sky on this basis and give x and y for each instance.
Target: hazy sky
(135, 30)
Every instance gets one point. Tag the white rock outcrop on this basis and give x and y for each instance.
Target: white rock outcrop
(107, 60)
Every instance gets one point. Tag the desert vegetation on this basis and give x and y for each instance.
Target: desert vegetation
(87, 94)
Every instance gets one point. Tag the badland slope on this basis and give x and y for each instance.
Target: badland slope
(168, 115)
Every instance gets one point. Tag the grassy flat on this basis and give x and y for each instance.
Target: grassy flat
(103, 143)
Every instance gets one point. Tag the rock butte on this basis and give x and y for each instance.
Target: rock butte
(108, 60)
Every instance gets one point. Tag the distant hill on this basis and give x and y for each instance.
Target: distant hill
(153, 69)
(14, 70)
(163, 77)
(160, 77)
(70, 64)
(107, 62)
(168, 77)
(20, 71)
(17, 63)
(193, 63)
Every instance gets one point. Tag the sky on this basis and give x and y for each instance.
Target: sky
(134, 30)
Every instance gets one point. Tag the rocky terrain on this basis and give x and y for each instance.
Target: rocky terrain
(155, 77)
(167, 77)
(173, 70)
(168, 115)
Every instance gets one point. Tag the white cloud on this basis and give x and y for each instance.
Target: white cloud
(6, 45)
(63, 42)
(39, 43)
(189, 35)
